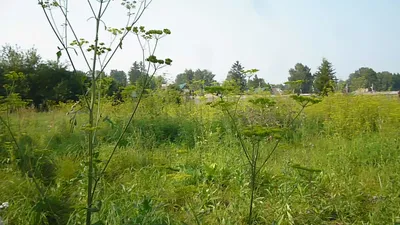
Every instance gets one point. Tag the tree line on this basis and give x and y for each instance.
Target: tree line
(325, 78)
(39, 82)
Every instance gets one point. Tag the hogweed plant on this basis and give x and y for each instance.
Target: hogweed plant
(257, 133)
(101, 55)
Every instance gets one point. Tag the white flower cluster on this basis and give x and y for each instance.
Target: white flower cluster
(4, 205)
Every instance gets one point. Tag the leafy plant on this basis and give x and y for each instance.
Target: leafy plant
(250, 137)
(102, 54)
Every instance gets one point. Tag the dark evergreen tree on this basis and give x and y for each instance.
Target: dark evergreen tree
(137, 70)
(325, 78)
(236, 74)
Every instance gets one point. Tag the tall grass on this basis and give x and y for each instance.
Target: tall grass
(182, 165)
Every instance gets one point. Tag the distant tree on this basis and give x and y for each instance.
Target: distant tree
(119, 76)
(302, 72)
(231, 86)
(385, 81)
(186, 77)
(196, 80)
(396, 82)
(52, 81)
(158, 81)
(325, 78)
(294, 86)
(204, 75)
(341, 86)
(135, 72)
(256, 82)
(155, 82)
(236, 74)
(357, 83)
(363, 78)
(15, 59)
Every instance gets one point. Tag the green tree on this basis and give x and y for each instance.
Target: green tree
(362, 78)
(54, 82)
(396, 82)
(119, 76)
(158, 81)
(325, 78)
(17, 60)
(357, 83)
(204, 75)
(341, 85)
(256, 82)
(385, 81)
(236, 74)
(136, 72)
(196, 80)
(302, 72)
(186, 77)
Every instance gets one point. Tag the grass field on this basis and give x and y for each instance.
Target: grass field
(182, 164)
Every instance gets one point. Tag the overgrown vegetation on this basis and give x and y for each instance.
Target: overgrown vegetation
(184, 164)
(91, 148)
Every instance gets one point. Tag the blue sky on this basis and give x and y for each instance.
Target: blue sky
(270, 35)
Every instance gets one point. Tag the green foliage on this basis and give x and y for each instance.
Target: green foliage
(305, 100)
(256, 82)
(185, 164)
(237, 76)
(295, 85)
(362, 78)
(136, 71)
(196, 80)
(166, 130)
(325, 78)
(263, 102)
(301, 72)
(119, 77)
(257, 132)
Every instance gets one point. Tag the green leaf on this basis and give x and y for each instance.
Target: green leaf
(167, 31)
(58, 55)
(263, 102)
(305, 100)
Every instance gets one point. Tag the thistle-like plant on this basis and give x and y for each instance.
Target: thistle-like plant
(254, 136)
(101, 55)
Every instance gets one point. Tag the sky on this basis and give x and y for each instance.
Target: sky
(269, 35)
